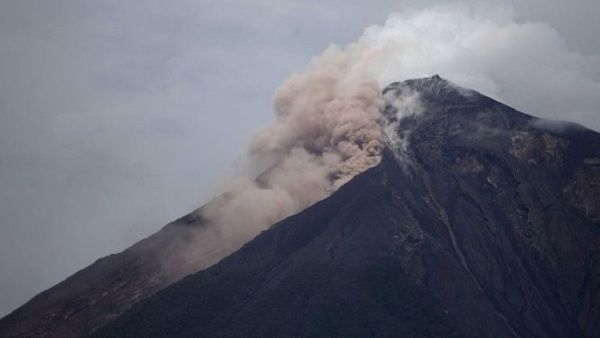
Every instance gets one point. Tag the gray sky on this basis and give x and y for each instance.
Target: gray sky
(117, 117)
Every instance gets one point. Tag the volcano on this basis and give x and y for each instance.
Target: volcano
(479, 221)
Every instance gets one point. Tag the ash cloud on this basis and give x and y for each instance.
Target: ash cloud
(328, 128)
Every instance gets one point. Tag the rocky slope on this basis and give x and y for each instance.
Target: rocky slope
(479, 221)
(102, 291)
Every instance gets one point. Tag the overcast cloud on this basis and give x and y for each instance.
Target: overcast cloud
(117, 117)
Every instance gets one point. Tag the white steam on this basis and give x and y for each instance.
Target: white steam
(405, 102)
(523, 64)
(329, 126)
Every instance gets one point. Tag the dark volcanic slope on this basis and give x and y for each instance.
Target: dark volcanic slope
(102, 291)
(330, 270)
(485, 225)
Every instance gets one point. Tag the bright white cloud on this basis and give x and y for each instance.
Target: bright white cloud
(526, 65)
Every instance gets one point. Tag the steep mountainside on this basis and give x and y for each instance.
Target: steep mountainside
(102, 291)
(479, 221)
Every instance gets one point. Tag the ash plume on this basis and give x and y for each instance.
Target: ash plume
(328, 129)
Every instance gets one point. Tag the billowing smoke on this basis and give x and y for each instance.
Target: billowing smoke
(329, 124)
(328, 129)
